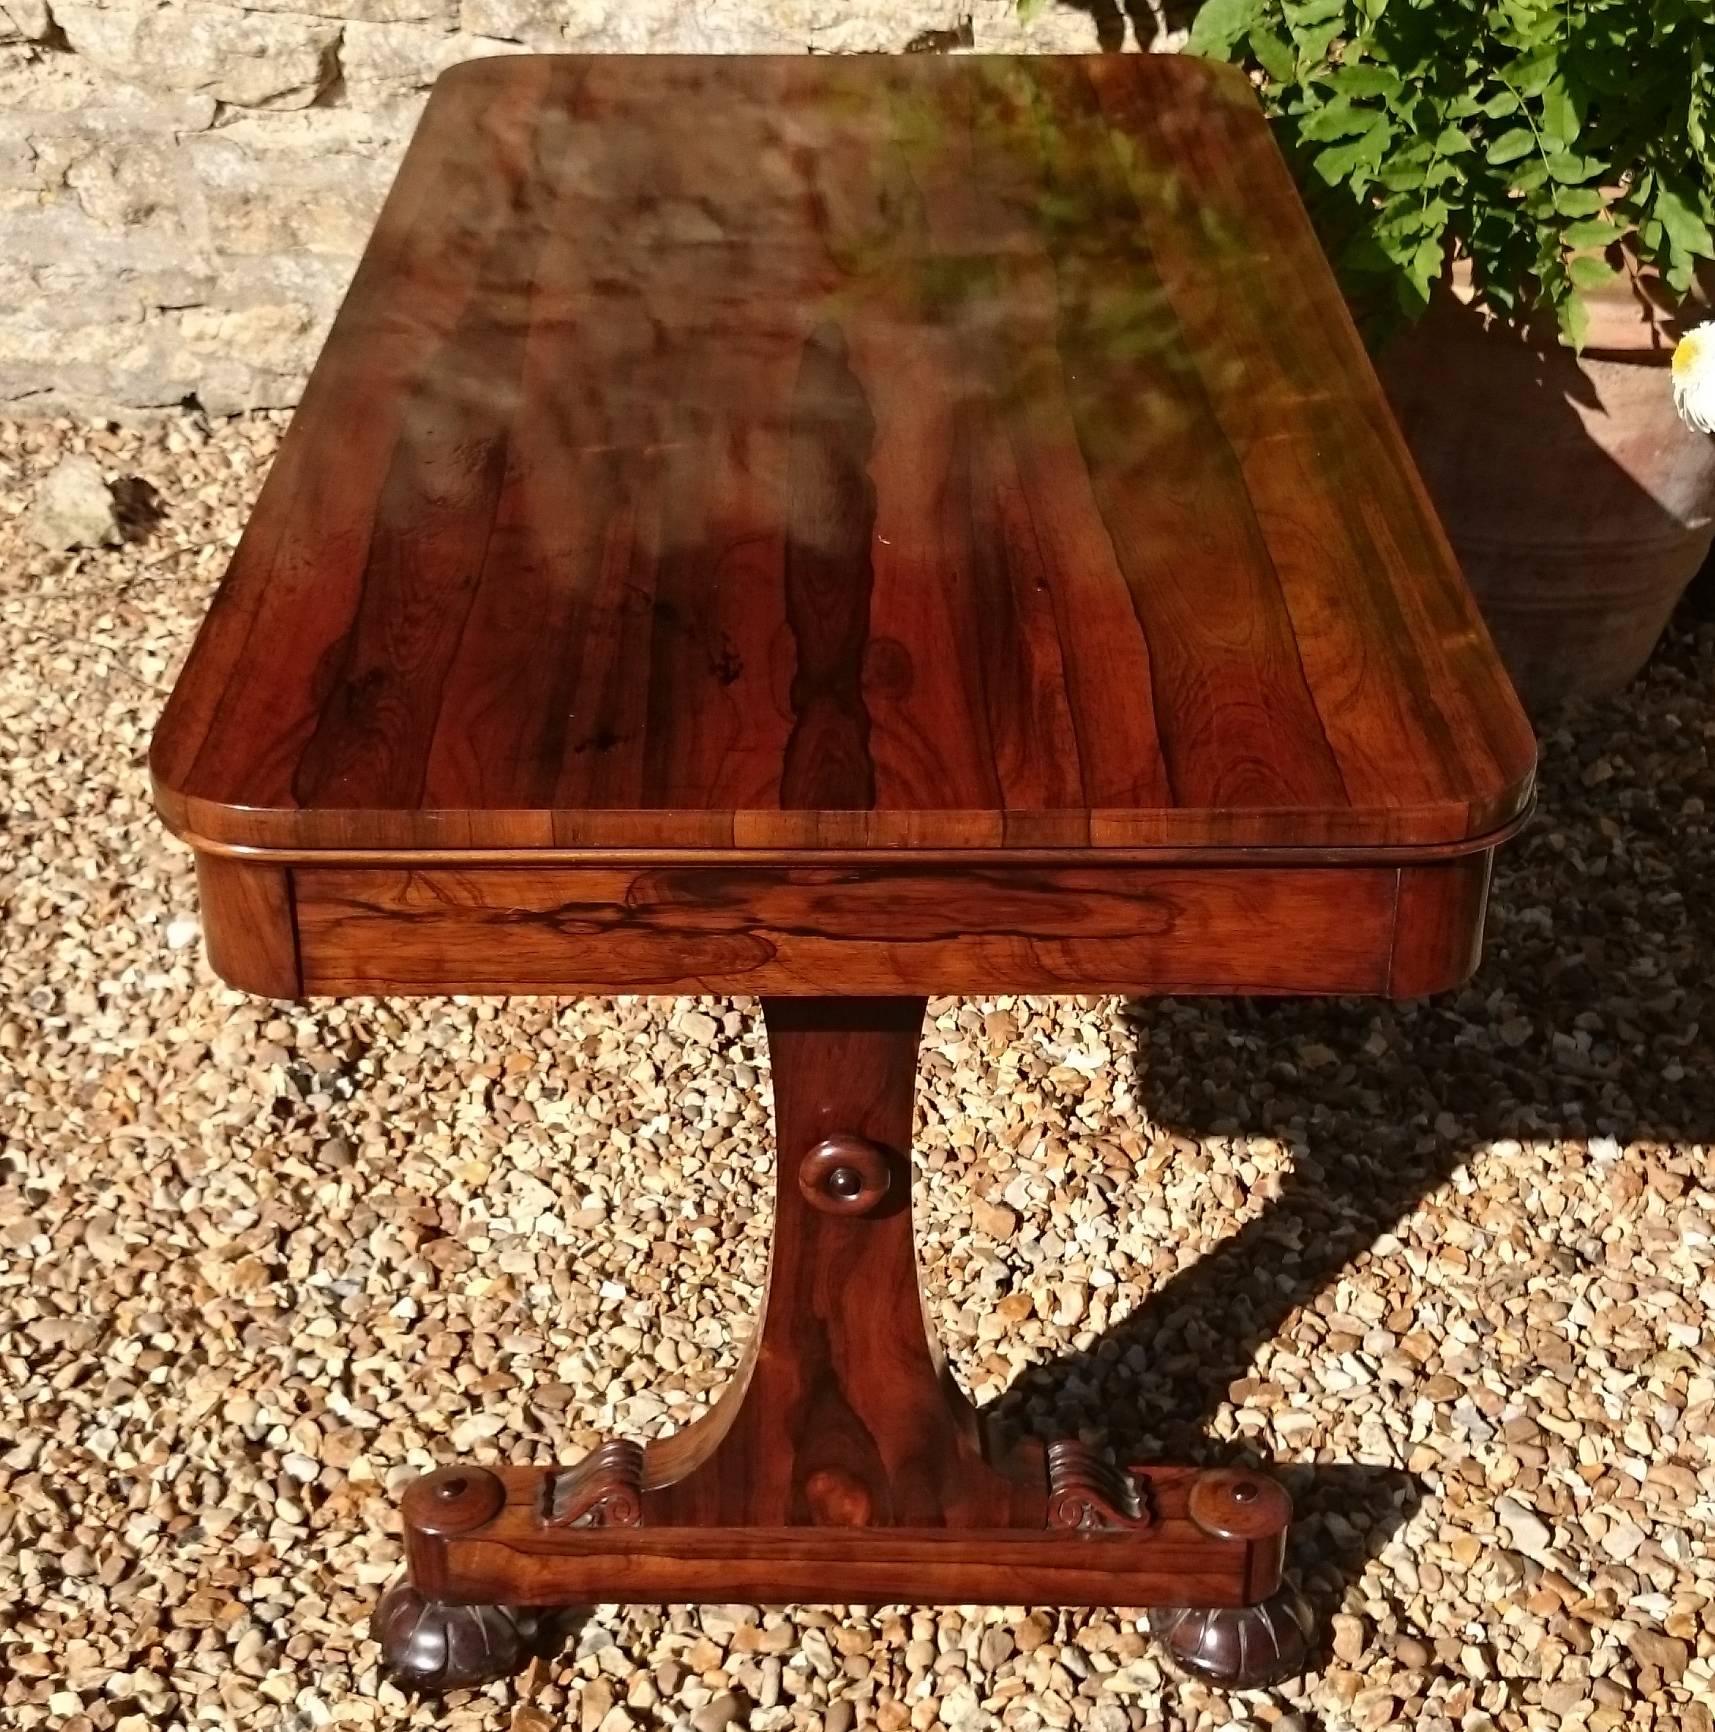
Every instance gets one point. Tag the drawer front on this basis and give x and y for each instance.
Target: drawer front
(858, 930)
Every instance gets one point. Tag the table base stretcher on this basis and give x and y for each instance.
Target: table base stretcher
(843, 1462)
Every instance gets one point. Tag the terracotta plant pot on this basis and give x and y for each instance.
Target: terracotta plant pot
(1579, 503)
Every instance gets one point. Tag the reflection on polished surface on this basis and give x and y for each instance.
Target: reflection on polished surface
(843, 451)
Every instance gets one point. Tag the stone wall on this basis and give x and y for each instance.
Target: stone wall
(185, 185)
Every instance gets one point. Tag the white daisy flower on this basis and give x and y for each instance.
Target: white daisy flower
(1694, 377)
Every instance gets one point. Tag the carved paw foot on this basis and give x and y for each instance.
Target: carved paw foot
(1238, 1647)
(430, 1645)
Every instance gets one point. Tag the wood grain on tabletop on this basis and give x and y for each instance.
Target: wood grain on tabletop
(842, 452)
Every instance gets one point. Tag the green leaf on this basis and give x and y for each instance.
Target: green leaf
(1438, 171)
(1364, 253)
(1531, 133)
(1364, 79)
(1561, 116)
(1683, 225)
(1426, 261)
(1587, 272)
(1220, 25)
(1530, 75)
(1515, 142)
(1574, 319)
(1302, 13)
(1412, 296)
(1337, 120)
(1339, 160)
(1592, 232)
(1273, 55)
(1570, 167)
(1314, 41)
(1402, 218)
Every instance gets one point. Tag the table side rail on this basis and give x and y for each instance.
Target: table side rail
(794, 930)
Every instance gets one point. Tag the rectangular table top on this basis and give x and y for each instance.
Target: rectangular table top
(795, 453)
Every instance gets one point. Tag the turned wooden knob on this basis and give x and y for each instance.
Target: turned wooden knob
(452, 1500)
(1230, 1503)
(844, 1175)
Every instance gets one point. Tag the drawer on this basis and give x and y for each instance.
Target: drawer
(307, 928)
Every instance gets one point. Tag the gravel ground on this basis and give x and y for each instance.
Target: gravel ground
(1448, 1265)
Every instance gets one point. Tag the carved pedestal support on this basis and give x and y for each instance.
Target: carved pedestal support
(842, 1463)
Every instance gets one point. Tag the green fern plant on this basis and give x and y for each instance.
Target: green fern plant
(1530, 136)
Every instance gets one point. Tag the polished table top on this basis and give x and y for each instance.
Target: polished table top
(843, 453)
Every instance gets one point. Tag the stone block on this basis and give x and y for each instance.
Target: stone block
(20, 168)
(384, 61)
(782, 26)
(326, 132)
(47, 148)
(75, 335)
(276, 201)
(440, 12)
(544, 24)
(254, 60)
(58, 233)
(184, 194)
(125, 185)
(256, 354)
(24, 20)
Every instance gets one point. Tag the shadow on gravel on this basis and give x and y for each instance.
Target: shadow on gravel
(1587, 1020)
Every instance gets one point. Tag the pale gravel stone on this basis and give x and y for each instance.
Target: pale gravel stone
(1525, 1529)
(74, 508)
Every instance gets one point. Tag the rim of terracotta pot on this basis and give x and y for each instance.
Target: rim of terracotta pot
(1634, 316)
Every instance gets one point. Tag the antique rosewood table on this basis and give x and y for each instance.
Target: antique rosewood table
(842, 530)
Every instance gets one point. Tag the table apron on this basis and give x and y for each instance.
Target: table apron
(791, 930)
